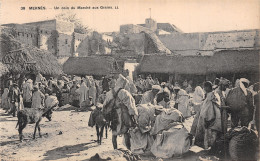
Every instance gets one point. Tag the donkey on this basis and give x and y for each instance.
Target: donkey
(97, 119)
(31, 116)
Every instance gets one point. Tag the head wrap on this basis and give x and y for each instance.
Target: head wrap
(223, 82)
(158, 107)
(29, 81)
(156, 87)
(176, 87)
(15, 84)
(99, 105)
(245, 80)
(163, 84)
(242, 86)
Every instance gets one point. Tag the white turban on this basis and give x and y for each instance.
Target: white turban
(245, 80)
(156, 87)
(242, 85)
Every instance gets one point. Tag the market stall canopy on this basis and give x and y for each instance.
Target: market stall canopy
(173, 64)
(92, 65)
(234, 61)
(31, 59)
(223, 61)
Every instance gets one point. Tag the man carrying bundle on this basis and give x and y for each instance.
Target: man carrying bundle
(240, 100)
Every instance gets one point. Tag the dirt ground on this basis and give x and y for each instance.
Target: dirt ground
(66, 137)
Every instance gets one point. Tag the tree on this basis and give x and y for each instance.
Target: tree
(72, 17)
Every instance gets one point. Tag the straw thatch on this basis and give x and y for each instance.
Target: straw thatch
(8, 43)
(3, 69)
(154, 44)
(173, 64)
(221, 62)
(31, 59)
(92, 65)
(234, 61)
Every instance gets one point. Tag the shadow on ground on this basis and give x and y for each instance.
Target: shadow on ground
(67, 151)
(5, 114)
(185, 157)
(9, 142)
(6, 119)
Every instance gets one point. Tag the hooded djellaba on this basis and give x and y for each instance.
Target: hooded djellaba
(119, 107)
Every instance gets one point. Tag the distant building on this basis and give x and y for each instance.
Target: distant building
(205, 43)
(133, 40)
(59, 38)
(179, 43)
(151, 26)
(52, 35)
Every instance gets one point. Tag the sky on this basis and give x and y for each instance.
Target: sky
(187, 15)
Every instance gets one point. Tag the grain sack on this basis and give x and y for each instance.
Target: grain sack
(236, 99)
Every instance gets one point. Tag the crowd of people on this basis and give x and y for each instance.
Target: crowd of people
(149, 113)
(163, 107)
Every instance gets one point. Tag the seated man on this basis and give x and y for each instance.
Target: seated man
(141, 140)
(172, 138)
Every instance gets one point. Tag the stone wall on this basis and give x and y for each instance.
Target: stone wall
(64, 45)
(177, 41)
(151, 24)
(80, 44)
(130, 28)
(47, 40)
(210, 41)
(235, 39)
(48, 25)
(133, 42)
(83, 48)
(27, 35)
(64, 27)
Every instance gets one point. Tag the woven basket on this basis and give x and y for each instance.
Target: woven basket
(243, 146)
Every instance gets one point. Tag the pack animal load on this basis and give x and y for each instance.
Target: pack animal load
(242, 143)
(236, 99)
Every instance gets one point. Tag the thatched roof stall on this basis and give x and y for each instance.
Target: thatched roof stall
(8, 43)
(227, 61)
(92, 65)
(170, 64)
(32, 60)
(234, 61)
(3, 69)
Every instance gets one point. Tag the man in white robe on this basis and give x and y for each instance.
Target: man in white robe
(122, 112)
(183, 103)
(27, 93)
(209, 124)
(141, 140)
(92, 90)
(83, 93)
(37, 98)
(197, 100)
